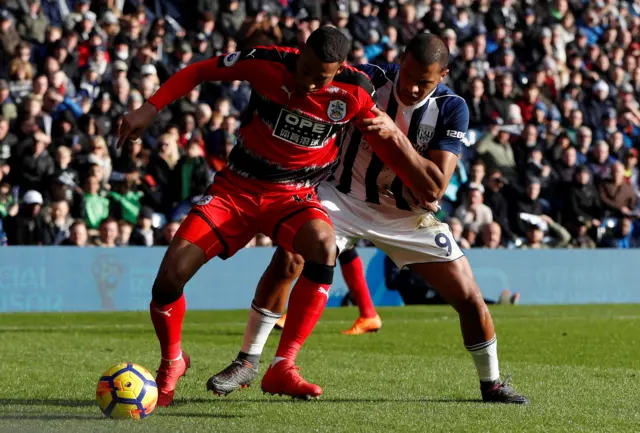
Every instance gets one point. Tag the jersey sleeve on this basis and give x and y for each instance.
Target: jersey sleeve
(452, 133)
(379, 76)
(367, 99)
(243, 65)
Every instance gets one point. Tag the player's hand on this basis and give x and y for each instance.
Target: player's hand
(382, 124)
(134, 123)
(431, 207)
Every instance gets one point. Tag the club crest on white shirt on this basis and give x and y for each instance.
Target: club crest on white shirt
(424, 136)
(337, 110)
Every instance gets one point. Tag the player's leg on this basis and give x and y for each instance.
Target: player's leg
(181, 261)
(455, 282)
(310, 234)
(217, 225)
(268, 304)
(354, 276)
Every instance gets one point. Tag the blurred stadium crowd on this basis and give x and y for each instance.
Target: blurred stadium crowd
(551, 87)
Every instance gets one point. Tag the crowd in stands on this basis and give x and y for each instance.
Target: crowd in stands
(552, 86)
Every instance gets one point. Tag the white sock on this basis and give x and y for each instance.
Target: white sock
(485, 357)
(259, 326)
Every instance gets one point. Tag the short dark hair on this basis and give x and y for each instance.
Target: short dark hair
(329, 44)
(77, 223)
(427, 49)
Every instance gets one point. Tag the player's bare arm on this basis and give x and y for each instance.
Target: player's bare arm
(221, 68)
(423, 177)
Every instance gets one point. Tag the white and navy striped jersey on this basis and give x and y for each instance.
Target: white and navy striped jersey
(440, 122)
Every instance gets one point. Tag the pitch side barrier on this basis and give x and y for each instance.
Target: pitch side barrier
(95, 279)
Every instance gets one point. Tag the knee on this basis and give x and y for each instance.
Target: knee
(323, 249)
(471, 303)
(170, 282)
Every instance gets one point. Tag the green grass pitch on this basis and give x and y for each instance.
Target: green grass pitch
(579, 365)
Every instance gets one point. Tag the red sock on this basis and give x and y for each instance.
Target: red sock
(306, 303)
(353, 273)
(167, 321)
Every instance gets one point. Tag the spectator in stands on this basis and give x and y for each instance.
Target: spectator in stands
(601, 161)
(27, 226)
(108, 233)
(583, 144)
(168, 232)
(474, 213)
(631, 170)
(527, 203)
(125, 230)
(497, 153)
(56, 229)
(478, 171)
(33, 24)
(125, 198)
(191, 174)
(78, 236)
(35, 166)
(580, 236)
(583, 201)
(596, 106)
(559, 237)
(7, 203)
(469, 236)
(495, 199)
(622, 236)
(616, 195)
(479, 109)
(490, 236)
(96, 207)
(8, 142)
(144, 233)
(455, 225)
(566, 167)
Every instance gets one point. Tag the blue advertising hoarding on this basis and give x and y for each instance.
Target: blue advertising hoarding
(95, 279)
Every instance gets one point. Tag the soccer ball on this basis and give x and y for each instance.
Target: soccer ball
(127, 390)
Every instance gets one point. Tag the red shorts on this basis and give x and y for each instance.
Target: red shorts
(231, 214)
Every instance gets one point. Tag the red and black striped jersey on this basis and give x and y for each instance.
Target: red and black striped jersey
(286, 140)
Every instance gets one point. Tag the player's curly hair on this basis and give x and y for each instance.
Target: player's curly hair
(329, 44)
(427, 49)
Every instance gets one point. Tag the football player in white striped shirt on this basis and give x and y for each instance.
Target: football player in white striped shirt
(366, 200)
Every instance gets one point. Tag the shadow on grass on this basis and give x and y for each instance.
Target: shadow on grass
(288, 400)
(46, 402)
(167, 412)
(79, 417)
(49, 417)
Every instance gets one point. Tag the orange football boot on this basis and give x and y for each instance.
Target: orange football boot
(364, 325)
(167, 377)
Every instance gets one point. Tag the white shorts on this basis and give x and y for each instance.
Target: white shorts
(406, 237)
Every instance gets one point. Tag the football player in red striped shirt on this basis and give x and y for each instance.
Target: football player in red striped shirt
(286, 145)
